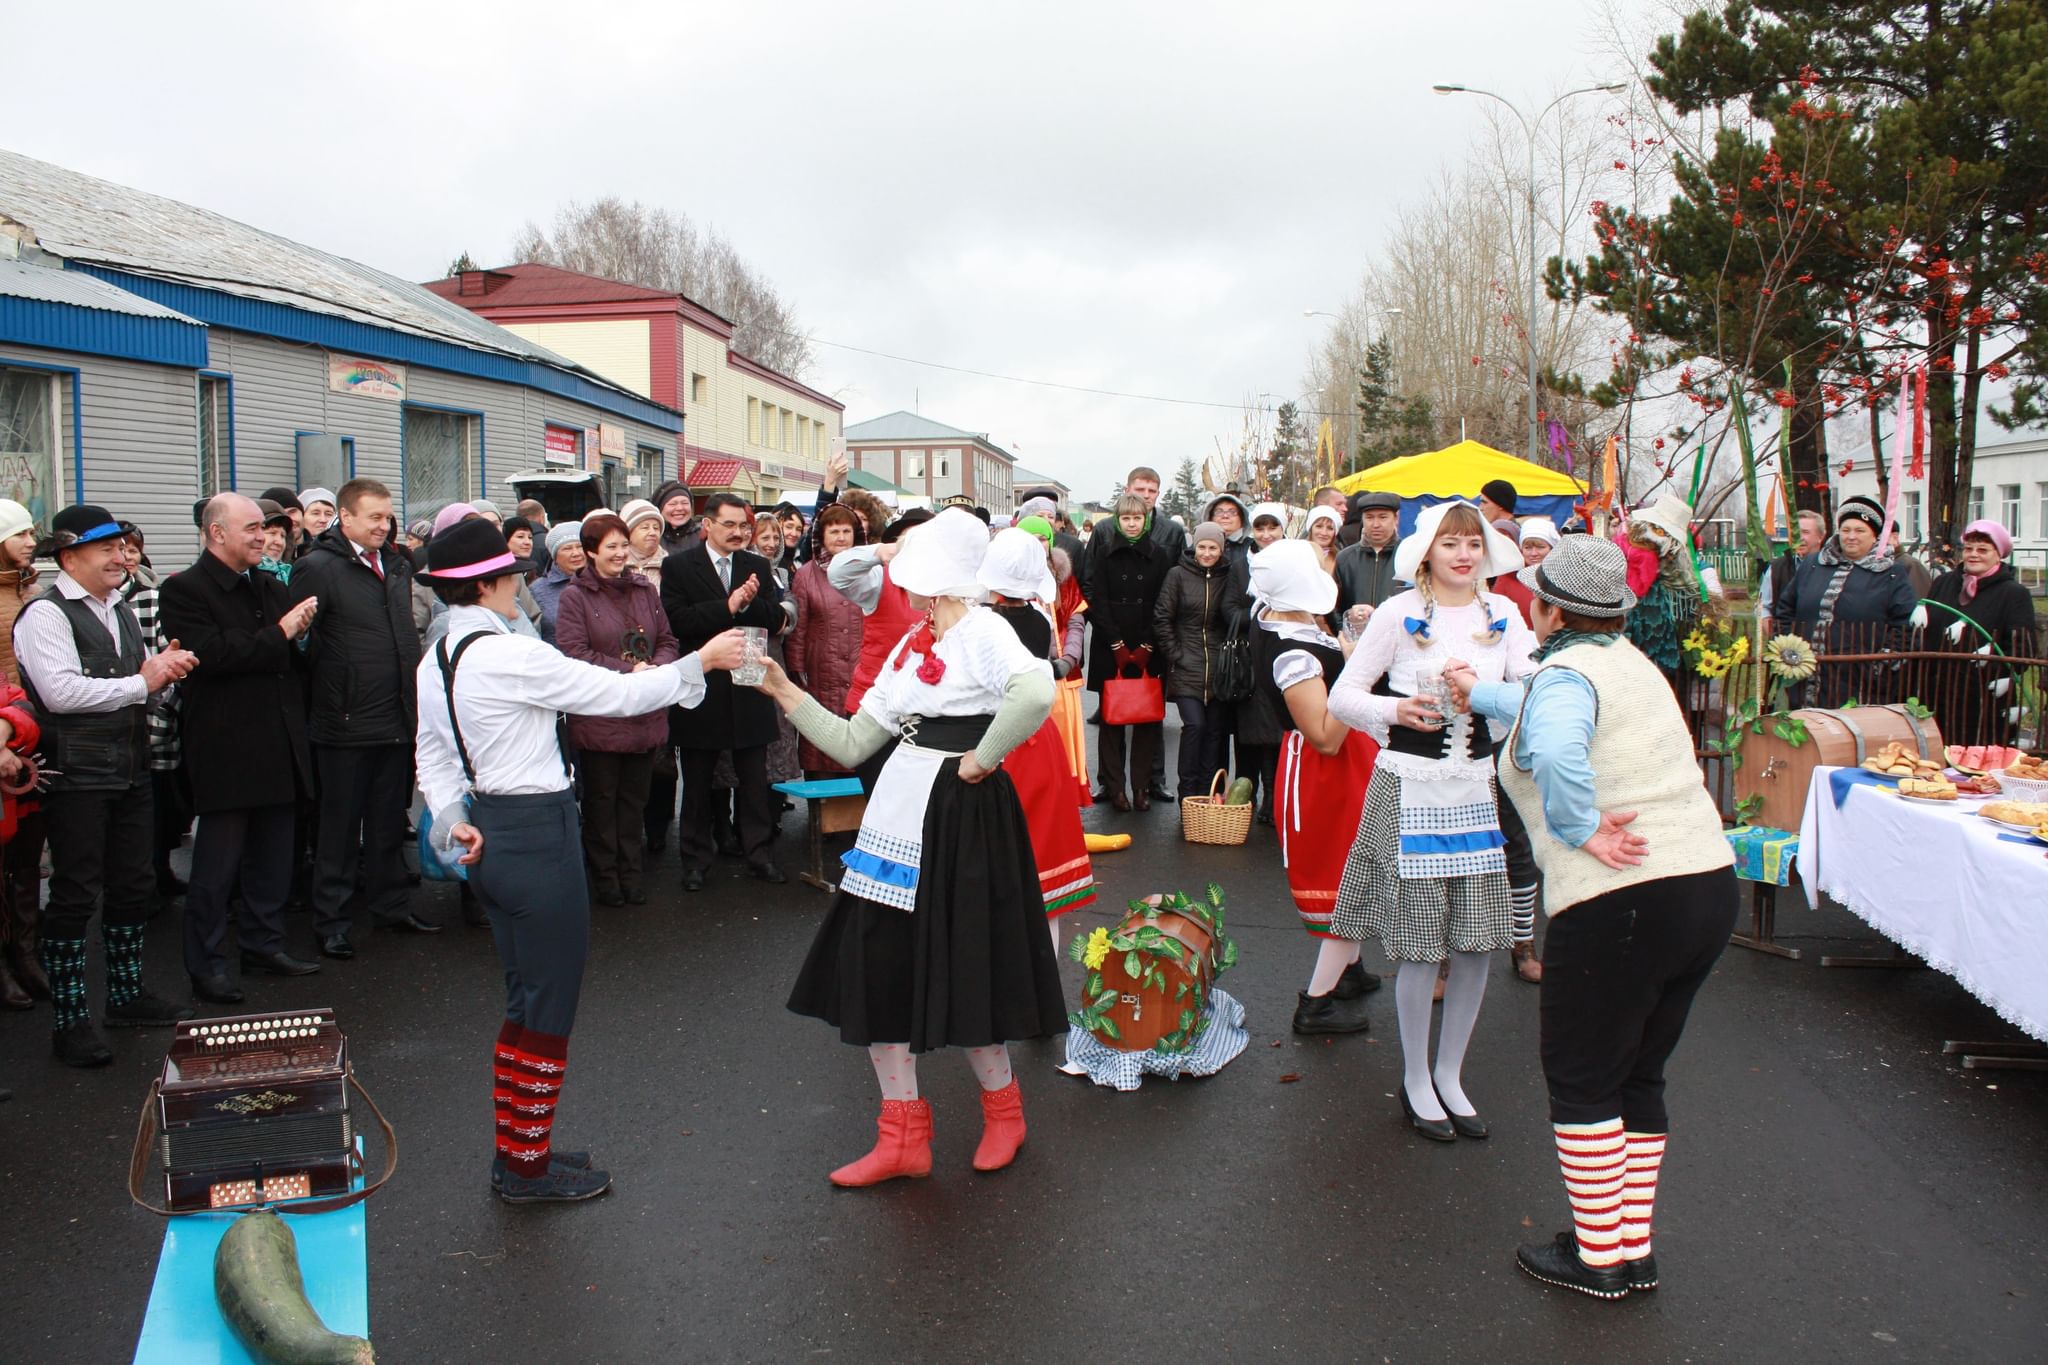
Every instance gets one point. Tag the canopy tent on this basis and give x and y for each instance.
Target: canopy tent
(1460, 471)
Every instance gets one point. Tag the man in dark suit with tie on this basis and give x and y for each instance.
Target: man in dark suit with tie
(708, 588)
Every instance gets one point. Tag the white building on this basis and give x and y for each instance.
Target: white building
(2008, 485)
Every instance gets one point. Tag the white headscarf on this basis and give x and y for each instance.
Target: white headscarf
(1288, 576)
(942, 557)
(1276, 510)
(1540, 528)
(1321, 513)
(1501, 554)
(1016, 567)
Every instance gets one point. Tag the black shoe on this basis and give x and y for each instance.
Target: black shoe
(1159, 793)
(767, 872)
(410, 923)
(1328, 1014)
(693, 879)
(81, 1046)
(562, 1184)
(1436, 1130)
(1557, 1262)
(611, 899)
(337, 946)
(279, 963)
(1356, 981)
(568, 1161)
(147, 1011)
(1642, 1272)
(219, 989)
(1467, 1125)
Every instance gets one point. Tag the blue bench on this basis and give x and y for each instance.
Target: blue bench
(832, 806)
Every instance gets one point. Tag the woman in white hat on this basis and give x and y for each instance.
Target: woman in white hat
(1427, 873)
(936, 938)
(1325, 767)
(1018, 577)
(1640, 889)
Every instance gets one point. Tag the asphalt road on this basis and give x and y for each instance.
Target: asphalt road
(1835, 1190)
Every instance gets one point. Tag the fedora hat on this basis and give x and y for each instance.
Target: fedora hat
(468, 549)
(81, 524)
(1585, 575)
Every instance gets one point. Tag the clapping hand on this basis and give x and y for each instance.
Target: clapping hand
(162, 669)
(743, 594)
(1614, 843)
(295, 622)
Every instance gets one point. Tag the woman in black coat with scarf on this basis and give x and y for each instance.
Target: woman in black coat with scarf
(1122, 591)
(1980, 608)
(1849, 597)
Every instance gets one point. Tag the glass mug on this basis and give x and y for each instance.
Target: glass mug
(754, 671)
(1433, 687)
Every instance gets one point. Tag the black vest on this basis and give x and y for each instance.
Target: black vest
(98, 750)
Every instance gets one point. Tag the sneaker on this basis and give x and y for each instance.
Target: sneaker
(1557, 1262)
(1329, 1014)
(146, 1011)
(1356, 981)
(561, 1185)
(81, 1045)
(572, 1161)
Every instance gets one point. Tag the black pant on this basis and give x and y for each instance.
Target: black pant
(533, 891)
(1619, 975)
(1204, 733)
(100, 845)
(755, 811)
(364, 793)
(251, 847)
(1143, 743)
(171, 790)
(660, 811)
(614, 809)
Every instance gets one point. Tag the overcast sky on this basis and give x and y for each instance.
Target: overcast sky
(1140, 197)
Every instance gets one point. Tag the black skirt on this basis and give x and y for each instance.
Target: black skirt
(972, 965)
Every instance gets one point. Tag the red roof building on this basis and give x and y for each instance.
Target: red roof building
(673, 350)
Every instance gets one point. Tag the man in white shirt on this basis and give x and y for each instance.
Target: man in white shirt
(87, 668)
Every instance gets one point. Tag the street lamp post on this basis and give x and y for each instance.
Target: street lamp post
(1529, 127)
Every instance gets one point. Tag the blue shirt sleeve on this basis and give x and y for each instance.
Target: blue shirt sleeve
(1557, 709)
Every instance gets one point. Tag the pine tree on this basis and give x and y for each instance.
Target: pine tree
(1389, 425)
(1184, 497)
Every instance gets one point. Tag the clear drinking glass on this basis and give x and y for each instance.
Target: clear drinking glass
(754, 671)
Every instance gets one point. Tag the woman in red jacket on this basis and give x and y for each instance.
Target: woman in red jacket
(612, 617)
(826, 644)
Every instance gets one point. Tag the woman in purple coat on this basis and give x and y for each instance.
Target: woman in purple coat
(613, 618)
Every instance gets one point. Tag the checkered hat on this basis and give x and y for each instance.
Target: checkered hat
(1584, 574)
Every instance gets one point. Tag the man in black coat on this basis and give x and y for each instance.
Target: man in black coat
(244, 728)
(364, 652)
(707, 589)
(1143, 483)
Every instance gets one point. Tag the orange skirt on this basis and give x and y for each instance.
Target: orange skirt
(1317, 802)
(1045, 788)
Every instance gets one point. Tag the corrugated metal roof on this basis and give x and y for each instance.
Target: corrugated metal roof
(97, 222)
(529, 285)
(909, 426)
(715, 474)
(46, 284)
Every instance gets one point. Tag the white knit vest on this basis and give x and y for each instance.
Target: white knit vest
(1642, 760)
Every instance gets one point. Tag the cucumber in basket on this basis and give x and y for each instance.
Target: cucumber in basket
(257, 1283)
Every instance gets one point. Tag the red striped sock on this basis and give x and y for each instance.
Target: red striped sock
(1593, 1157)
(539, 1062)
(1639, 1192)
(503, 1052)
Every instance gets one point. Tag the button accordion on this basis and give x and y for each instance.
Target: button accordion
(254, 1109)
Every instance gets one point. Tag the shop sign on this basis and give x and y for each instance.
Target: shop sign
(591, 461)
(611, 441)
(366, 378)
(561, 446)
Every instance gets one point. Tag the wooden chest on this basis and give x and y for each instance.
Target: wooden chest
(1780, 770)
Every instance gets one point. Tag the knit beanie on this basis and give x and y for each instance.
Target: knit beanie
(637, 511)
(1209, 530)
(562, 535)
(14, 519)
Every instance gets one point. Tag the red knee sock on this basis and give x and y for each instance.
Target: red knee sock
(503, 1054)
(1593, 1157)
(539, 1062)
(1639, 1192)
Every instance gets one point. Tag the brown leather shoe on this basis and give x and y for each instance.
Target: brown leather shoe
(1119, 801)
(1528, 966)
(12, 996)
(1143, 800)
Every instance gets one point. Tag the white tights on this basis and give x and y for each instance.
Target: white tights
(1332, 957)
(1464, 991)
(896, 1068)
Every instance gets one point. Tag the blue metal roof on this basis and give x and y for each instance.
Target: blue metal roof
(63, 310)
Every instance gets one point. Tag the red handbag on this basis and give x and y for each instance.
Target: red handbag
(1128, 700)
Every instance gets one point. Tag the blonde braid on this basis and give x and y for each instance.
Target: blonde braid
(1423, 638)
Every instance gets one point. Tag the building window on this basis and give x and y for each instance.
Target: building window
(613, 473)
(945, 465)
(788, 430)
(1909, 515)
(2042, 489)
(913, 464)
(650, 470)
(700, 389)
(437, 458)
(1976, 505)
(28, 442)
(216, 436)
(754, 421)
(2009, 507)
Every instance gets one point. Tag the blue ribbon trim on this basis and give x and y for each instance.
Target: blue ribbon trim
(1415, 625)
(880, 870)
(1472, 841)
(1842, 779)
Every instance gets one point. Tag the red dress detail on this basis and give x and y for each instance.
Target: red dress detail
(1317, 802)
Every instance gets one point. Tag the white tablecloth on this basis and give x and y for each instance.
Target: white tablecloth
(1938, 881)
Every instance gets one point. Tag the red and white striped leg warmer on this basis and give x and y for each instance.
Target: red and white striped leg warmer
(1639, 1192)
(504, 1054)
(1593, 1157)
(539, 1062)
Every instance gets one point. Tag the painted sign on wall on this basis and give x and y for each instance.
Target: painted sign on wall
(611, 441)
(366, 378)
(563, 446)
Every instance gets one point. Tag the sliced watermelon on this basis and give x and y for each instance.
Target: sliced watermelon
(1954, 754)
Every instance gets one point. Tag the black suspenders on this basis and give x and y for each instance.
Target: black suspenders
(448, 663)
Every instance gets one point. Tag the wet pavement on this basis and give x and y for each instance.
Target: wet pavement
(1835, 1190)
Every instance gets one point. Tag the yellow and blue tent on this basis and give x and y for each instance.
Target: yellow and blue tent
(1460, 471)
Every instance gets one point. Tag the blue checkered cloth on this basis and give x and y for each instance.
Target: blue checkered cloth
(1219, 1044)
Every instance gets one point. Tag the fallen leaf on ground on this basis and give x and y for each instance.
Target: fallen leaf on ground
(1290, 1078)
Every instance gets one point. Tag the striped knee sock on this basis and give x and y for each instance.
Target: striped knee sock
(1639, 1192)
(539, 1062)
(123, 943)
(1593, 1157)
(504, 1079)
(1522, 900)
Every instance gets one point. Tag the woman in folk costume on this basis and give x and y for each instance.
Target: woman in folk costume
(1427, 874)
(936, 938)
(1640, 889)
(1325, 767)
(1020, 587)
(1070, 630)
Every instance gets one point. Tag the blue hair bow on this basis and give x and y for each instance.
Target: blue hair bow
(1417, 626)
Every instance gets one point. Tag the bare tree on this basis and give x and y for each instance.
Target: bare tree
(660, 249)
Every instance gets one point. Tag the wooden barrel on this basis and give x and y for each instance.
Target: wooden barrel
(1169, 992)
(1780, 771)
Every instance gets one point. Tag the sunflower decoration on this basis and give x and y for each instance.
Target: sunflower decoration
(1715, 646)
(1790, 658)
(1095, 950)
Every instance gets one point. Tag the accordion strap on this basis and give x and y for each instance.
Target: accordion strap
(146, 1133)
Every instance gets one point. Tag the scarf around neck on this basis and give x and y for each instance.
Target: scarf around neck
(1565, 638)
(1831, 554)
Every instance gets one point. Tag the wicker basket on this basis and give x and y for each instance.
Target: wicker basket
(2020, 788)
(1206, 820)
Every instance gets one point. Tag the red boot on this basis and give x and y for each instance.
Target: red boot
(903, 1146)
(1002, 1127)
